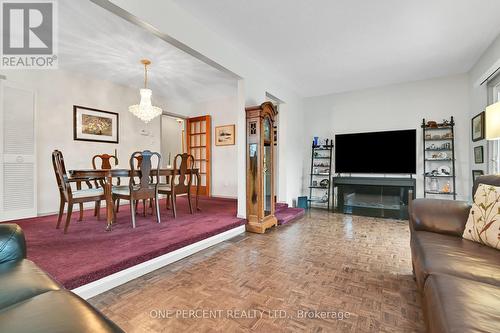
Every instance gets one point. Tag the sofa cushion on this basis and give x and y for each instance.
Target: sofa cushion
(439, 215)
(21, 280)
(54, 311)
(483, 224)
(12, 243)
(436, 253)
(454, 304)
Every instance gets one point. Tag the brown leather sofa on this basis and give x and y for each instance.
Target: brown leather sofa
(459, 280)
(31, 301)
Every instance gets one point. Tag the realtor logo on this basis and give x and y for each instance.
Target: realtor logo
(28, 30)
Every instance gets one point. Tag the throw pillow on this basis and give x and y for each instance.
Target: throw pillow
(483, 224)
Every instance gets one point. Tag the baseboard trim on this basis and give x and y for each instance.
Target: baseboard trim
(114, 280)
(224, 196)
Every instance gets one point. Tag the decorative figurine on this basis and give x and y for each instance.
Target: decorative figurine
(432, 124)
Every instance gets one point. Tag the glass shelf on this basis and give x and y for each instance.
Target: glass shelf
(437, 128)
(438, 149)
(440, 193)
(318, 200)
(441, 139)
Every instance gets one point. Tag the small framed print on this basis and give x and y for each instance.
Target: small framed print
(478, 154)
(225, 135)
(94, 125)
(476, 173)
(478, 127)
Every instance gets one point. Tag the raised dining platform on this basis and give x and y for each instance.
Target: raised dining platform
(88, 253)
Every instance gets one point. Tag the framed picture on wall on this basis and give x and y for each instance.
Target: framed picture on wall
(478, 127)
(478, 154)
(476, 173)
(224, 135)
(94, 125)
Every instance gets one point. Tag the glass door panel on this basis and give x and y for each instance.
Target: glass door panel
(267, 180)
(199, 146)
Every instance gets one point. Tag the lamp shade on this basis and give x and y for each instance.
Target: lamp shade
(493, 122)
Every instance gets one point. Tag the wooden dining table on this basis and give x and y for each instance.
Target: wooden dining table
(107, 175)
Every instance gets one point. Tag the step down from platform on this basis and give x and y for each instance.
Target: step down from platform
(286, 214)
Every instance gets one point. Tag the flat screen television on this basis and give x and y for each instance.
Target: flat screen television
(376, 152)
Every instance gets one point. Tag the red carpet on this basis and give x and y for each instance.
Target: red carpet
(286, 214)
(88, 253)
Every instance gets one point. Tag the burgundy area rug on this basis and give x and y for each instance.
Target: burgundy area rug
(286, 214)
(88, 253)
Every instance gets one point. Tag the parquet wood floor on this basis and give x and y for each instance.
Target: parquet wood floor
(325, 262)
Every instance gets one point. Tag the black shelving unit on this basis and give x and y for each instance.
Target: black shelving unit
(321, 170)
(439, 147)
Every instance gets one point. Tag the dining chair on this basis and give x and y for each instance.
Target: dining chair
(138, 159)
(181, 181)
(106, 165)
(71, 196)
(146, 187)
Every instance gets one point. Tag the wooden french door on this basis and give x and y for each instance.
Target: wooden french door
(198, 144)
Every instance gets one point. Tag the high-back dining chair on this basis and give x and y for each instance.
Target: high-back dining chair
(105, 164)
(69, 195)
(138, 160)
(181, 181)
(105, 161)
(146, 187)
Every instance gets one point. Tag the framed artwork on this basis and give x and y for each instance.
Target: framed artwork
(225, 135)
(476, 173)
(478, 155)
(478, 127)
(94, 125)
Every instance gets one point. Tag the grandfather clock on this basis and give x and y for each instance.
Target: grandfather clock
(260, 161)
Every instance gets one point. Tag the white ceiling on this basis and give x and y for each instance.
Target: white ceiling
(326, 46)
(95, 41)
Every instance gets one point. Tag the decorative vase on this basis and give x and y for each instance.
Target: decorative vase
(434, 185)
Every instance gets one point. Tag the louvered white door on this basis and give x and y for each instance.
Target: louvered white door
(17, 153)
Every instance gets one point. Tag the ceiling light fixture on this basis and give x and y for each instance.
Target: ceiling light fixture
(145, 111)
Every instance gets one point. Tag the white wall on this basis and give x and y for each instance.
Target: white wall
(396, 107)
(57, 92)
(257, 79)
(484, 67)
(171, 139)
(223, 111)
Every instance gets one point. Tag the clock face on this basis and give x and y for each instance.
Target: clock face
(267, 129)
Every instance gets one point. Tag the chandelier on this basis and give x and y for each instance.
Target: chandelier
(145, 111)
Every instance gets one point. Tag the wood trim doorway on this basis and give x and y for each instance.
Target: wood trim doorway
(198, 138)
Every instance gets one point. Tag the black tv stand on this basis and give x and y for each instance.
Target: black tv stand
(385, 197)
